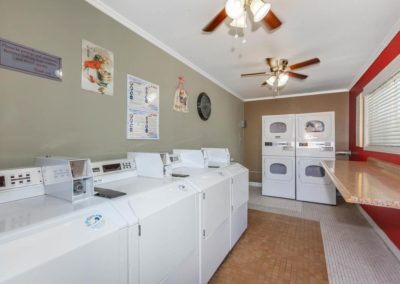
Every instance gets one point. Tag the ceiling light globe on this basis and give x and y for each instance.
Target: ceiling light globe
(271, 80)
(240, 22)
(259, 9)
(234, 8)
(282, 79)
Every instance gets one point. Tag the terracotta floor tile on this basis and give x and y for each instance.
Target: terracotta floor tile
(275, 249)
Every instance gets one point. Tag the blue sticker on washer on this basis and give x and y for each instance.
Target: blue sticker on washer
(95, 221)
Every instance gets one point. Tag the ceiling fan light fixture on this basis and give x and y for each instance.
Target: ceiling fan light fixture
(240, 22)
(234, 8)
(282, 79)
(260, 9)
(271, 80)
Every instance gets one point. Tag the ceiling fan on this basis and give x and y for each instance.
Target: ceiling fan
(239, 10)
(280, 71)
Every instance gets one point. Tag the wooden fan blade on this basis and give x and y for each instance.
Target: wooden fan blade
(304, 63)
(297, 75)
(253, 74)
(263, 83)
(272, 20)
(218, 19)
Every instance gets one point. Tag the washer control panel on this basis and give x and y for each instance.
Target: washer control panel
(20, 177)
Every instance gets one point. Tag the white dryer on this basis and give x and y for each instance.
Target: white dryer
(220, 158)
(278, 161)
(214, 188)
(315, 134)
(279, 176)
(313, 183)
(44, 239)
(164, 248)
(315, 141)
(278, 135)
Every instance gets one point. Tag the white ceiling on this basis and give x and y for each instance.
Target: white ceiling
(345, 34)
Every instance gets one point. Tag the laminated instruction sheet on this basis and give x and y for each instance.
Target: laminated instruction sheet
(143, 109)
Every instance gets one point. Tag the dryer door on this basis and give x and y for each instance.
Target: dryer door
(278, 134)
(315, 127)
(278, 168)
(311, 171)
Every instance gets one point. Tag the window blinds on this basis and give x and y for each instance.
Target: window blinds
(383, 114)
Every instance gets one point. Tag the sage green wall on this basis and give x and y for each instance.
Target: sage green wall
(40, 116)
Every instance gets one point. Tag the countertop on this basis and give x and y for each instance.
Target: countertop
(374, 182)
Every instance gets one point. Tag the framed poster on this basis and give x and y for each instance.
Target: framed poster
(97, 69)
(143, 110)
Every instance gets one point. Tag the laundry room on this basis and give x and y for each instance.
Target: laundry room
(194, 142)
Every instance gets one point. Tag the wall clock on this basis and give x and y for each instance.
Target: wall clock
(204, 106)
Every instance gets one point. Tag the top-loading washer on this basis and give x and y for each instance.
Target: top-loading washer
(278, 135)
(44, 239)
(220, 158)
(164, 249)
(213, 186)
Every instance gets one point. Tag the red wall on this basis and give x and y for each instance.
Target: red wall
(387, 219)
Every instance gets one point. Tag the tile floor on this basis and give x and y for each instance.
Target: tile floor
(275, 249)
(354, 252)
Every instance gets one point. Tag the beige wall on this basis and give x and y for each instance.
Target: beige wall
(40, 116)
(253, 111)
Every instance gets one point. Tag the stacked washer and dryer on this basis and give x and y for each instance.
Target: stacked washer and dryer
(293, 147)
(278, 161)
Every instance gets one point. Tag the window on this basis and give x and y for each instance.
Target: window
(278, 169)
(315, 171)
(277, 127)
(315, 126)
(382, 117)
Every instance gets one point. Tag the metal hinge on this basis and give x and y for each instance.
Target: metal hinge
(232, 208)
(232, 181)
(204, 195)
(140, 230)
(204, 233)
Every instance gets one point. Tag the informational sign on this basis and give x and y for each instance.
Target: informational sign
(28, 60)
(143, 109)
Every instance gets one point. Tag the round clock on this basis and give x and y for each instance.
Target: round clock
(204, 106)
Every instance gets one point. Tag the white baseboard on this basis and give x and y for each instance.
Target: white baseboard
(255, 184)
(391, 246)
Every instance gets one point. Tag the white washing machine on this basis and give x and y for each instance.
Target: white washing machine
(164, 248)
(214, 188)
(44, 239)
(220, 157)
(279, 176)
(278, 161)
(315, 141)
(313, 184)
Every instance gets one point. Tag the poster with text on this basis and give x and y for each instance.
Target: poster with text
(142, 109)
(97, 69)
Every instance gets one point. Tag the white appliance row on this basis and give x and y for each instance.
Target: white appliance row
(292, 148)
(151, 230)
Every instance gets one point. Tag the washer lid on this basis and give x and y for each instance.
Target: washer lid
(145, 196)
(40, 238)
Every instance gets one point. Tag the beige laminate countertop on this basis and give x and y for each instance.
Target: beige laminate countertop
(365, 183)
